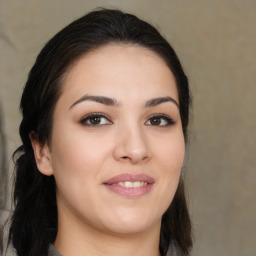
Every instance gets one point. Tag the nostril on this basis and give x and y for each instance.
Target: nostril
(133, 150)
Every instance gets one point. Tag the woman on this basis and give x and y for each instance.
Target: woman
(105, 115)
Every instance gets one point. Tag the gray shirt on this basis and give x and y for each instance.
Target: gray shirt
(53, 252)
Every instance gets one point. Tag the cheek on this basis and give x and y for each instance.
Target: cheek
(170, 161)
(77, 155)
(76, 165)
(171, 152)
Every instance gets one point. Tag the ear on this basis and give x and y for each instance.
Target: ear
(42, 155)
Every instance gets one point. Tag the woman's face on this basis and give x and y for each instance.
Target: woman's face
(117, 145)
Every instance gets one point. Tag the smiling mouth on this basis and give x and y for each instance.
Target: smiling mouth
(130, 185)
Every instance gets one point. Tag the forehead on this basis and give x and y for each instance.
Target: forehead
(120, 69)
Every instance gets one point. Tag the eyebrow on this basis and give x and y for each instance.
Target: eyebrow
(113, 102)
(160, 100)
(100, 99)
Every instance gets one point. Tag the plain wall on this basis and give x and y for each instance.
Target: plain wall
(216, 42)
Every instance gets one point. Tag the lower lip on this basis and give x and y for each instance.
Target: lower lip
(130, 192)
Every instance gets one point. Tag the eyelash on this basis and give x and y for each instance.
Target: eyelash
(169, 121)
(95, 115)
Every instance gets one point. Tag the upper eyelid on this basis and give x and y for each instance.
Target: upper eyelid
(99, 114)
(161, 115)
(96, 114)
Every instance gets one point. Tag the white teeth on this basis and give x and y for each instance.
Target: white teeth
(130, 184)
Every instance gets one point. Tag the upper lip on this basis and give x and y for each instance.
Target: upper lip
(130, 177)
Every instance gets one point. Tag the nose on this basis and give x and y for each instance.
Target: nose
(132, 146)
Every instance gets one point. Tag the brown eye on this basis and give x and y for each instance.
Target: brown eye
(155, 121)
(95, 119)
(160, 120)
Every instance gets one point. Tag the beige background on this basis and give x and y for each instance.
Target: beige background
(216, 41)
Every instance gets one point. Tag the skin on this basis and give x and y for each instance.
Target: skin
(82, 156)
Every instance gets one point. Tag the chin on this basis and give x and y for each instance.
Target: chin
(131, 222)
